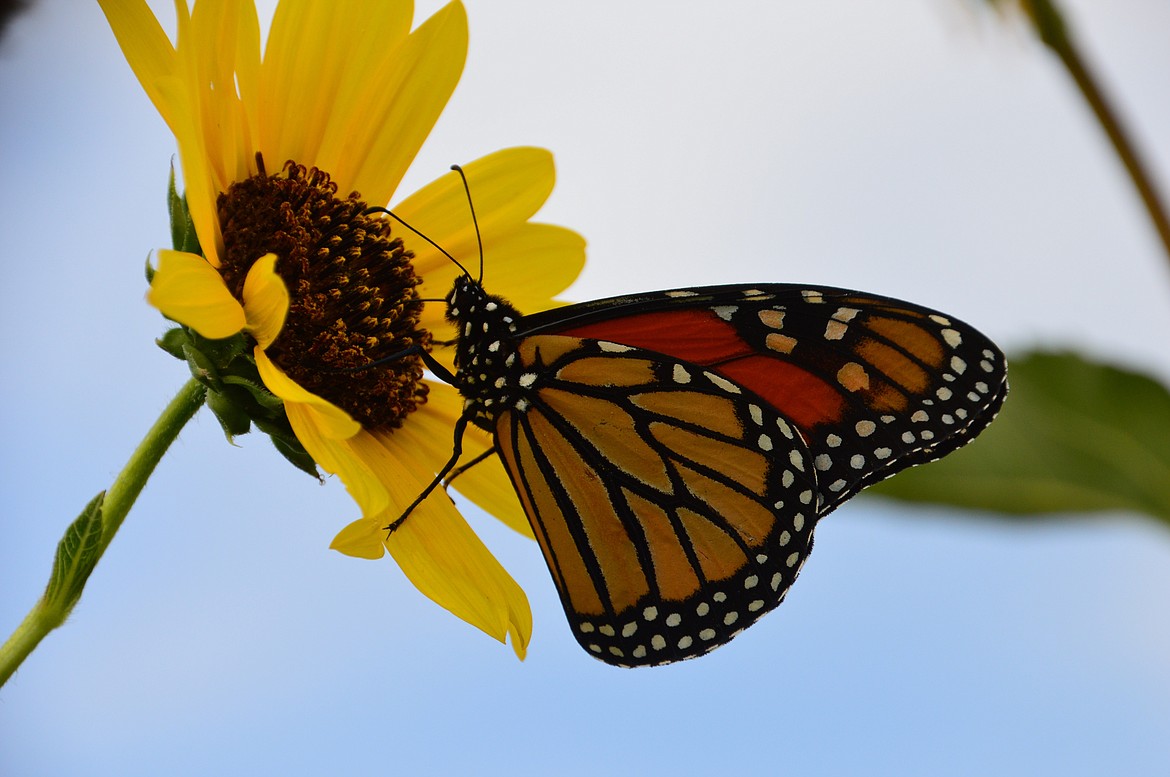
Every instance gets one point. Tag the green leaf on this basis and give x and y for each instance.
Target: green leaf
(1073, 436)
(77, 554)
(183, 236)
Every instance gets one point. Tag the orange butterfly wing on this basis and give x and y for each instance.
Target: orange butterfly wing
(673, 507)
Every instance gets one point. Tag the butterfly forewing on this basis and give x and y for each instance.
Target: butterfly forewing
(874, 384)
(673, 506)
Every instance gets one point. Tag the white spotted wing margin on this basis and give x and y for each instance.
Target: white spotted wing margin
(932, 383)
(673, 506)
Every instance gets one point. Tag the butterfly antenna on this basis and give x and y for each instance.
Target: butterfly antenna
(475, 223)
(437, 247)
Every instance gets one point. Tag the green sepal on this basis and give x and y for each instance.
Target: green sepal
(174, 340)
(232, 418)
(1074, 436)
(183, 236)
(208, 360)
(263, 397)
(236, 395)
(296, 455)
(202, 368)
(221, 353)
(288, 445)
(77, 554)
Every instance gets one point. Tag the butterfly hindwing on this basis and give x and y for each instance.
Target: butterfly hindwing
(673, 506)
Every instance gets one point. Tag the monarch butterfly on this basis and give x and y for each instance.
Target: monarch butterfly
(674, 450)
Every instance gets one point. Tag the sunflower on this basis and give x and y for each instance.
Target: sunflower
(282, 156)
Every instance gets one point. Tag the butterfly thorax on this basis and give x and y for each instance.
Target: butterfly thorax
(488, 371)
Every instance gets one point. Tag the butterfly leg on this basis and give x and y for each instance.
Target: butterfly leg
(456, 452)
(460, 470)
(440, 372)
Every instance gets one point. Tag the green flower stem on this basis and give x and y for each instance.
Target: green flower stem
(126, 488)
(88, 537)
(1051, 28)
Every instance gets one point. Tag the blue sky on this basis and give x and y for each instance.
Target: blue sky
(908, 148)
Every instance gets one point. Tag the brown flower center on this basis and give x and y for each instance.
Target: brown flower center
(351, 288)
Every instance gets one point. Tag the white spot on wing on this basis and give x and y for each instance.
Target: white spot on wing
(722, 383)
(835, 330)
(725, 312)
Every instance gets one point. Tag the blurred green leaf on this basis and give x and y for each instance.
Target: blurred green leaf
(1073, 436)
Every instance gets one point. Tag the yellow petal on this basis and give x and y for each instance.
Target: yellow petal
(417, 83)
(528, 266)
(200, 186)
(265, 300)
(340, 457)
(361, 539)
(448, 563)
(507, 187)
(486, 484)
(435, 547)
(534, 264)
(187, 289)
(327, 420)
(325, 77)
(217, 58)
(145, 46)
